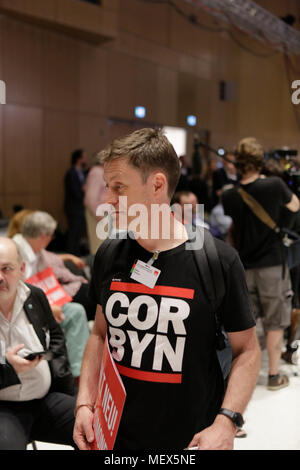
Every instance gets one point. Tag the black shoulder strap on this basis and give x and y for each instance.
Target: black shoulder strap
(107, 252)
(210, 270)
(209, 265)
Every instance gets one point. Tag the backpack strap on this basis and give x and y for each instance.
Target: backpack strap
(107, 251)
(210, 270)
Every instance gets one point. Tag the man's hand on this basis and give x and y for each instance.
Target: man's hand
(83, 434)
(79, 263)
(58, 313)
(19, 363)
(219, 436)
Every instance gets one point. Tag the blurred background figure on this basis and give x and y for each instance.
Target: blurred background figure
(37, 230)
(226, 175)
(185, 174)
(74, 195)
(94, 196)
(220, 223)
(190, 209)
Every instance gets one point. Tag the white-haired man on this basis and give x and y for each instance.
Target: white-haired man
(37, 232)
(36, 399)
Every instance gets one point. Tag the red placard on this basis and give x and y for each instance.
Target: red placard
(110, 403)
(47, 281)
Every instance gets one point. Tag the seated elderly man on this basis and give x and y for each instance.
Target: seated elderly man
(37, 232)
(36, 399)
(75, 285)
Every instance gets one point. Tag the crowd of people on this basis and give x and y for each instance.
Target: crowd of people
(50, 351)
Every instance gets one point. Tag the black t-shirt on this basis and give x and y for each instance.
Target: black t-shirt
(221, 179)
(257, 244)
(165, 342)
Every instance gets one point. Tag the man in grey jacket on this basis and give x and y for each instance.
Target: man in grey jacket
(36, 399)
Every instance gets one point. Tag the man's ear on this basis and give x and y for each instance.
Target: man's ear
(160, 183)
(22, 269)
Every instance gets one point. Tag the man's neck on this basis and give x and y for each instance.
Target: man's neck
(250, 177)
(7, 306)
(165, 241)
(34, 243)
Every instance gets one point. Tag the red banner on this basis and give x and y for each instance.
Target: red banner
(47, 281)
(109, 405)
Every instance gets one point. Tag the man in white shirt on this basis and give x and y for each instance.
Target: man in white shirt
(37, 232)
(35, 401)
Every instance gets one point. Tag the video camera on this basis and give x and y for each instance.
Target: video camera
(286, 154)
(291, 167)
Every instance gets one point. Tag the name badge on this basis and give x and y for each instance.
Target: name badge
(145, 274)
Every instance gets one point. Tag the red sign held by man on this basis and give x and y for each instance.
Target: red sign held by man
(109, 405)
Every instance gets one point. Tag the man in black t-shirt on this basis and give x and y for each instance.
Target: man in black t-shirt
(160, 326)
(224, 176)
(261, 249)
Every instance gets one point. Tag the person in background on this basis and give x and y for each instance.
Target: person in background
(219, 222)
(276, 167)
(74, 195)
(261, 249)
(75, 285)
(224, 176)
(185, 175)
(95, 189)
(36, 396)
(189, 208)
(37, 231)
(15, 226)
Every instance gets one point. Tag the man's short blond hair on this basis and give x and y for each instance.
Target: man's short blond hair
(249, 155)
(146, 150)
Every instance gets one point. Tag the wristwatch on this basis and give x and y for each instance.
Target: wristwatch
(235, 417)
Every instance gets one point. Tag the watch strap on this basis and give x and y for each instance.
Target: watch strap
(235, 417)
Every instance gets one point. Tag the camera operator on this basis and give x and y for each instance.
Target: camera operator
(261, 249)
(276, 166)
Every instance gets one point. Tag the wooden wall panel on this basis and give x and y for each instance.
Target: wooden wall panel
(22, 62)
(111, 4)
(93, 134)
(187, 104)
(122, 71)
(60, 139)
(44, 9)
(62, 91)
(145, 92)
(22, 146)
(61, 72)
(140, 48)
(190, 39)
(79, 15)
(1, 153)
(145, 20)
(93, 79)
(27, 200)
(167, 90)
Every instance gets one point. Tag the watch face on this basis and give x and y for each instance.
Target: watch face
(238, 420)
